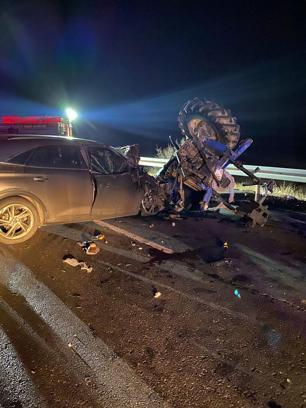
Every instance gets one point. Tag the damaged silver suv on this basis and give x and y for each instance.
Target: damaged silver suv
(53, 179)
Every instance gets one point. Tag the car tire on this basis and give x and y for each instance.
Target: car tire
(19, 220)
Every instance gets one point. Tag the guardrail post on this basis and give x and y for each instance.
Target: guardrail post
(257, 193)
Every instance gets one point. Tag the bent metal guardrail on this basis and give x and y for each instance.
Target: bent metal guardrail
(274, 173)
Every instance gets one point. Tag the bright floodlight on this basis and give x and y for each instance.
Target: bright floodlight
(71, 114)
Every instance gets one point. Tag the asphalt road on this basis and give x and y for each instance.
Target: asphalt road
(220, 322)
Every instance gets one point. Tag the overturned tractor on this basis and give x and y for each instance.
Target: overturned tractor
(212, 142)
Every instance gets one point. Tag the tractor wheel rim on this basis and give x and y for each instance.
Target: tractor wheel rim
(16, 221)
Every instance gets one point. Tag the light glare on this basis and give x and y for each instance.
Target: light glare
(71, 114)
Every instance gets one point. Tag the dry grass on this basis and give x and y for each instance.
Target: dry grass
(165, 152)
(168, 151)
(282, 189)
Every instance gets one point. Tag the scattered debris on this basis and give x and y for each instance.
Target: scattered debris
(85, 267)
(155, 292)
(140, 248)
(92, 249)
(134, 237)
(100, 237)
(225, 245)
(151, 226)
(222, 262)
(237, 293)
(71, 261)
(89, 247)
(175, 216)
(74, 263)
(69, 345)
(33, 372)
(173, 224)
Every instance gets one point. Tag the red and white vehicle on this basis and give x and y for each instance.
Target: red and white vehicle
(35, 125)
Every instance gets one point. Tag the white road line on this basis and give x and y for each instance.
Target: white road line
(118, 382)
(134, 237)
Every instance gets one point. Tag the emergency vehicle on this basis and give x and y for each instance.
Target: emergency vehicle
(35, 125)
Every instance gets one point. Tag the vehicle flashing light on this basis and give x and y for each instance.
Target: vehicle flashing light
(30, 120)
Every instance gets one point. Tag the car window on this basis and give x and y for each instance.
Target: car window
(20, 158)
(63, 157)
(106, 161)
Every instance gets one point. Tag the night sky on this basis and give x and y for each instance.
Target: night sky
(128, 67)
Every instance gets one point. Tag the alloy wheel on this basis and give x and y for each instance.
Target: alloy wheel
(16, 221)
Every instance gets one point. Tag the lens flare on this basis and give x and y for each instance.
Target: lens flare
(71, 114)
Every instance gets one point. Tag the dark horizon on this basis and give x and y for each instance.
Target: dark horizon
(128, 69)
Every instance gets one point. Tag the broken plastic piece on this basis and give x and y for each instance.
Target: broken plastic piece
(71, 261)
(85, 267)
(100, 237)
(89, 247)
(92, 249)
(155, 292)
(74, 262)
(237, 293)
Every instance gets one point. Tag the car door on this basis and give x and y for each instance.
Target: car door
(117, 192)
(58, 175)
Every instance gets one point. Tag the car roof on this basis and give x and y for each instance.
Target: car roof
(19, 136)
(54, 138)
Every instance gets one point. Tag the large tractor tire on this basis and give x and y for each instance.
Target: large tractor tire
(211, 119)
